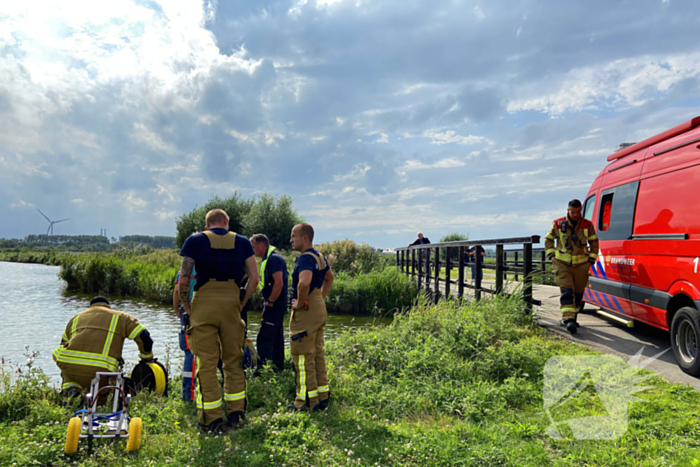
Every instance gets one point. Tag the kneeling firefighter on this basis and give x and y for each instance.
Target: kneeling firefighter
(576, 250)
(93, 342)
(312, 279)
(222, 259)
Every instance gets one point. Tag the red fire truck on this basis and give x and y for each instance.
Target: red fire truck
(648, 269)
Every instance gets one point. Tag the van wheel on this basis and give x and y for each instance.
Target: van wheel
(685, 335)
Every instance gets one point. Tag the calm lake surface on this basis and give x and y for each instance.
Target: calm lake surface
(36, 308)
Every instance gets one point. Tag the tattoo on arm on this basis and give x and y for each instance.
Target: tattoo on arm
(184, 283)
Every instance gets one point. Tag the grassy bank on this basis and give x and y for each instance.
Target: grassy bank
(445, 385)
(151, 276)
(358, 289)
(52, 258)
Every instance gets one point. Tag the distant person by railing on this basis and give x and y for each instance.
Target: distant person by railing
(421, 240)
(471, 260)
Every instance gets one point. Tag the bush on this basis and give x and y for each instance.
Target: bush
(453, 237)
(150, 276)
(349, 257)
(193, 221)
(273, 217)
(265, 214)
(386, 290)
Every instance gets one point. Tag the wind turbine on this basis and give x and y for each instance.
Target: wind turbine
(51, 223)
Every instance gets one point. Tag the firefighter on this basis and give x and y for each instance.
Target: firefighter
(188, 366)
(576, 250)
(222, 259)
(312, 279)
(93, 343)
(274, 279)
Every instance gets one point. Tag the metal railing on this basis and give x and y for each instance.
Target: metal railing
(423, 263)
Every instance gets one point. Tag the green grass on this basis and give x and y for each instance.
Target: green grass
(49, 257)
(150, 276)
(443, 385)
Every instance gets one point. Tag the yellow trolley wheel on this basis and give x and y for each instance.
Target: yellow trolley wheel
(72, 436)
(133, 443)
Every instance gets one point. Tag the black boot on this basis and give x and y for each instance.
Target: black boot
(214, 427)
(234, 418)
(571, 325)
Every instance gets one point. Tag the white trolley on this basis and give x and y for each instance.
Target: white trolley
(87, 423)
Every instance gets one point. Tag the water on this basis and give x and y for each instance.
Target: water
(37, 308)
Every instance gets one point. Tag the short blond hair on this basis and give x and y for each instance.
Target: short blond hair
(216, 216)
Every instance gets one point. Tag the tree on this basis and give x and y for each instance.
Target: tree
(194, 221)
(454, 237)
(273, 217)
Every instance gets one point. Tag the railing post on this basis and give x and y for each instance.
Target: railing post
(398, 261)
(437, 275)
(543, 266)
(499, 268)
(427, 271)
(515, 264)
(505, 263)
(420, 270)
(460, 274)
(527, 279)
(413, 262)
(448, 266)
(478, 270)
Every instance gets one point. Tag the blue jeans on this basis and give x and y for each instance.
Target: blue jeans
(481, 273)
(189, 370)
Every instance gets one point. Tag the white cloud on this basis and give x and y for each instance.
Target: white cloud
(356, 173)
(448, 163)
(450, 136)
(621, 83)
(383, 139)
(152, 139)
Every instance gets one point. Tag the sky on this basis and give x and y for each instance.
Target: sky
(379, 118)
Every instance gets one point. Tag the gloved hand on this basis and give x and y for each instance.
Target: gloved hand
(591, 260)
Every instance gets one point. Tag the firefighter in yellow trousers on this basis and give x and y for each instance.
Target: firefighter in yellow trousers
(312, 279)
(222, 259)
(93, 343)
(575, 251)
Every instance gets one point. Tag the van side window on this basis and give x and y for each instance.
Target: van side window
(616, 215)
(588, 210)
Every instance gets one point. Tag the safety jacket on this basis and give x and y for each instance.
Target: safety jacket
(263, 266)
(574, 244)
(95, 337)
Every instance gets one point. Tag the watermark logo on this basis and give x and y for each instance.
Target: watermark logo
(607, 378)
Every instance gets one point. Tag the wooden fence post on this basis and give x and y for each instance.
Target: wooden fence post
(479, 271)
(460, 275)
(413, 262)
(448, 266)
(499, 268)
(436, 288)
(543, 266)
(427, 272)
(398, 261)
(527, 279)
(515, 264)
(420, 270)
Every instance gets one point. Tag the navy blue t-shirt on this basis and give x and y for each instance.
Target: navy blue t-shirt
(275, 263)
(308, 263)
(219, 264)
